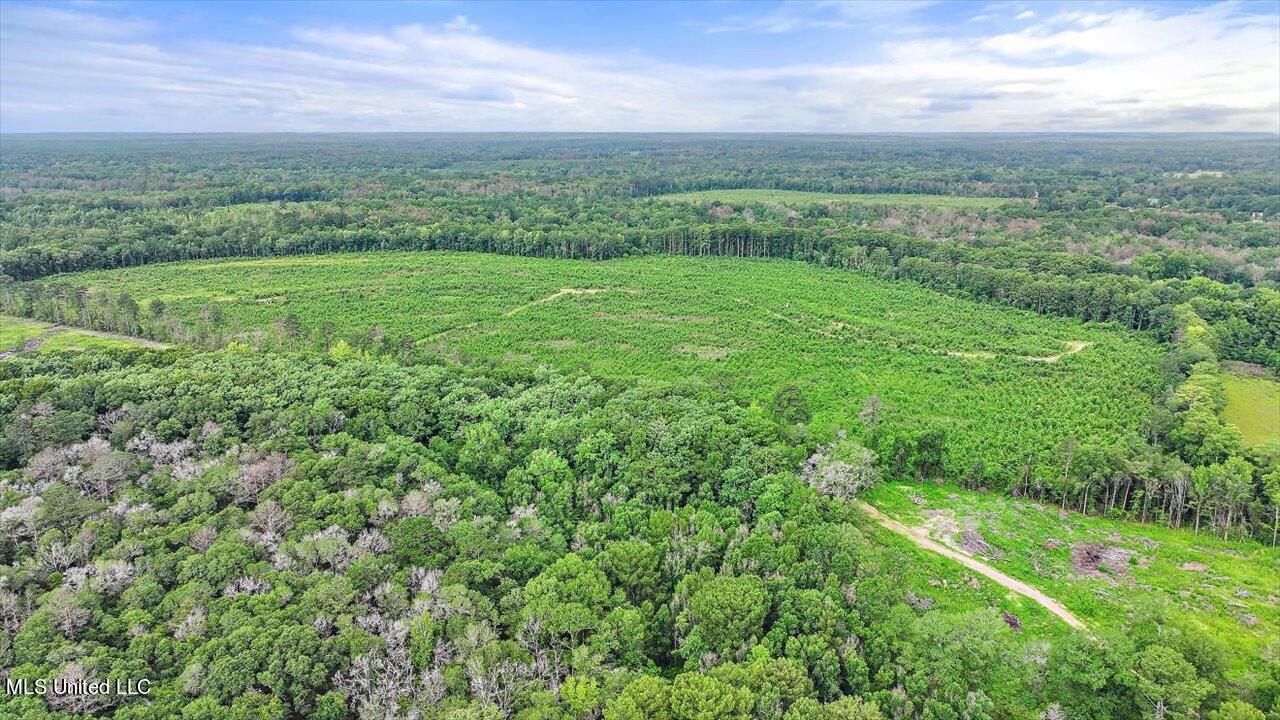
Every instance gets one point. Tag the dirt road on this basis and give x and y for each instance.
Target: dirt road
(920, 537)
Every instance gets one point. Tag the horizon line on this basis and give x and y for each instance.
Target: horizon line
(1259, 133)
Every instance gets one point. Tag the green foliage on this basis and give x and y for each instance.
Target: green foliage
(814, 339)
(695, 696)
(646, 698)
(1169, 683)
(725, 617)
(1237, 710)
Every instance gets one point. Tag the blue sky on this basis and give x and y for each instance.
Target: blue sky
(904, 65)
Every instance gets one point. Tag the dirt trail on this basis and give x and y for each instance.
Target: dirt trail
(1072, 347)
(779, 316)
(920, 537)
(553, 296)
(515, 310)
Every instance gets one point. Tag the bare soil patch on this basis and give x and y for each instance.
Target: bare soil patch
(974, 544)
(1247, 368)
(1091, 559)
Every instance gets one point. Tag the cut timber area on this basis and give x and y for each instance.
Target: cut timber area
(921, 537)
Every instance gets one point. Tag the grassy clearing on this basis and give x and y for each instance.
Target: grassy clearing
(1229, 589)
(748, 196)
(15, 331)
(1253, 405)
(752, 325)
(953, 588)
(80, 340)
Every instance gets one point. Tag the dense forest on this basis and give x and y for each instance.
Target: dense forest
(269, 535)
(287, 516)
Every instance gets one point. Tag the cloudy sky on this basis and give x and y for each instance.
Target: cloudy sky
(904, 65)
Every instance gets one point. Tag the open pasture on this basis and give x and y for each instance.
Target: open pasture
(977, 370)
(1253, 405)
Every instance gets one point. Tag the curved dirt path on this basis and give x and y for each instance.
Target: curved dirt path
(516, 310)
(921, 538)
(1073, 347)
(553, 296)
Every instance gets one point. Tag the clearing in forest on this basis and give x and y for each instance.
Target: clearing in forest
(16, 331)
(1096, 567)
(1253, 405)
(753, 326)
(24, 335)
(920, 537)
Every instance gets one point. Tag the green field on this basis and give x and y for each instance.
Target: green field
(16, 331)
(749, 195)
(978, 369)
(1253, 405)
(1227, 589)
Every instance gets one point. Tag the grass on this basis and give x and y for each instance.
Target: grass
(77, 340)
(1233, 599)
(748, 196)
(16, 331)
(750, 325)
(1253, 405)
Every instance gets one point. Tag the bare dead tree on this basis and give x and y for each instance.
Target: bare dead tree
(269, 523)
(498, 684)
(261, 474)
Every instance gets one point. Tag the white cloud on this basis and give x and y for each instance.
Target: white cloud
(812, 14)
(460, 23)
(1025, 15)
(1216, 68)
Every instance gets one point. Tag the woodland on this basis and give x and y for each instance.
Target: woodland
(578, 427)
